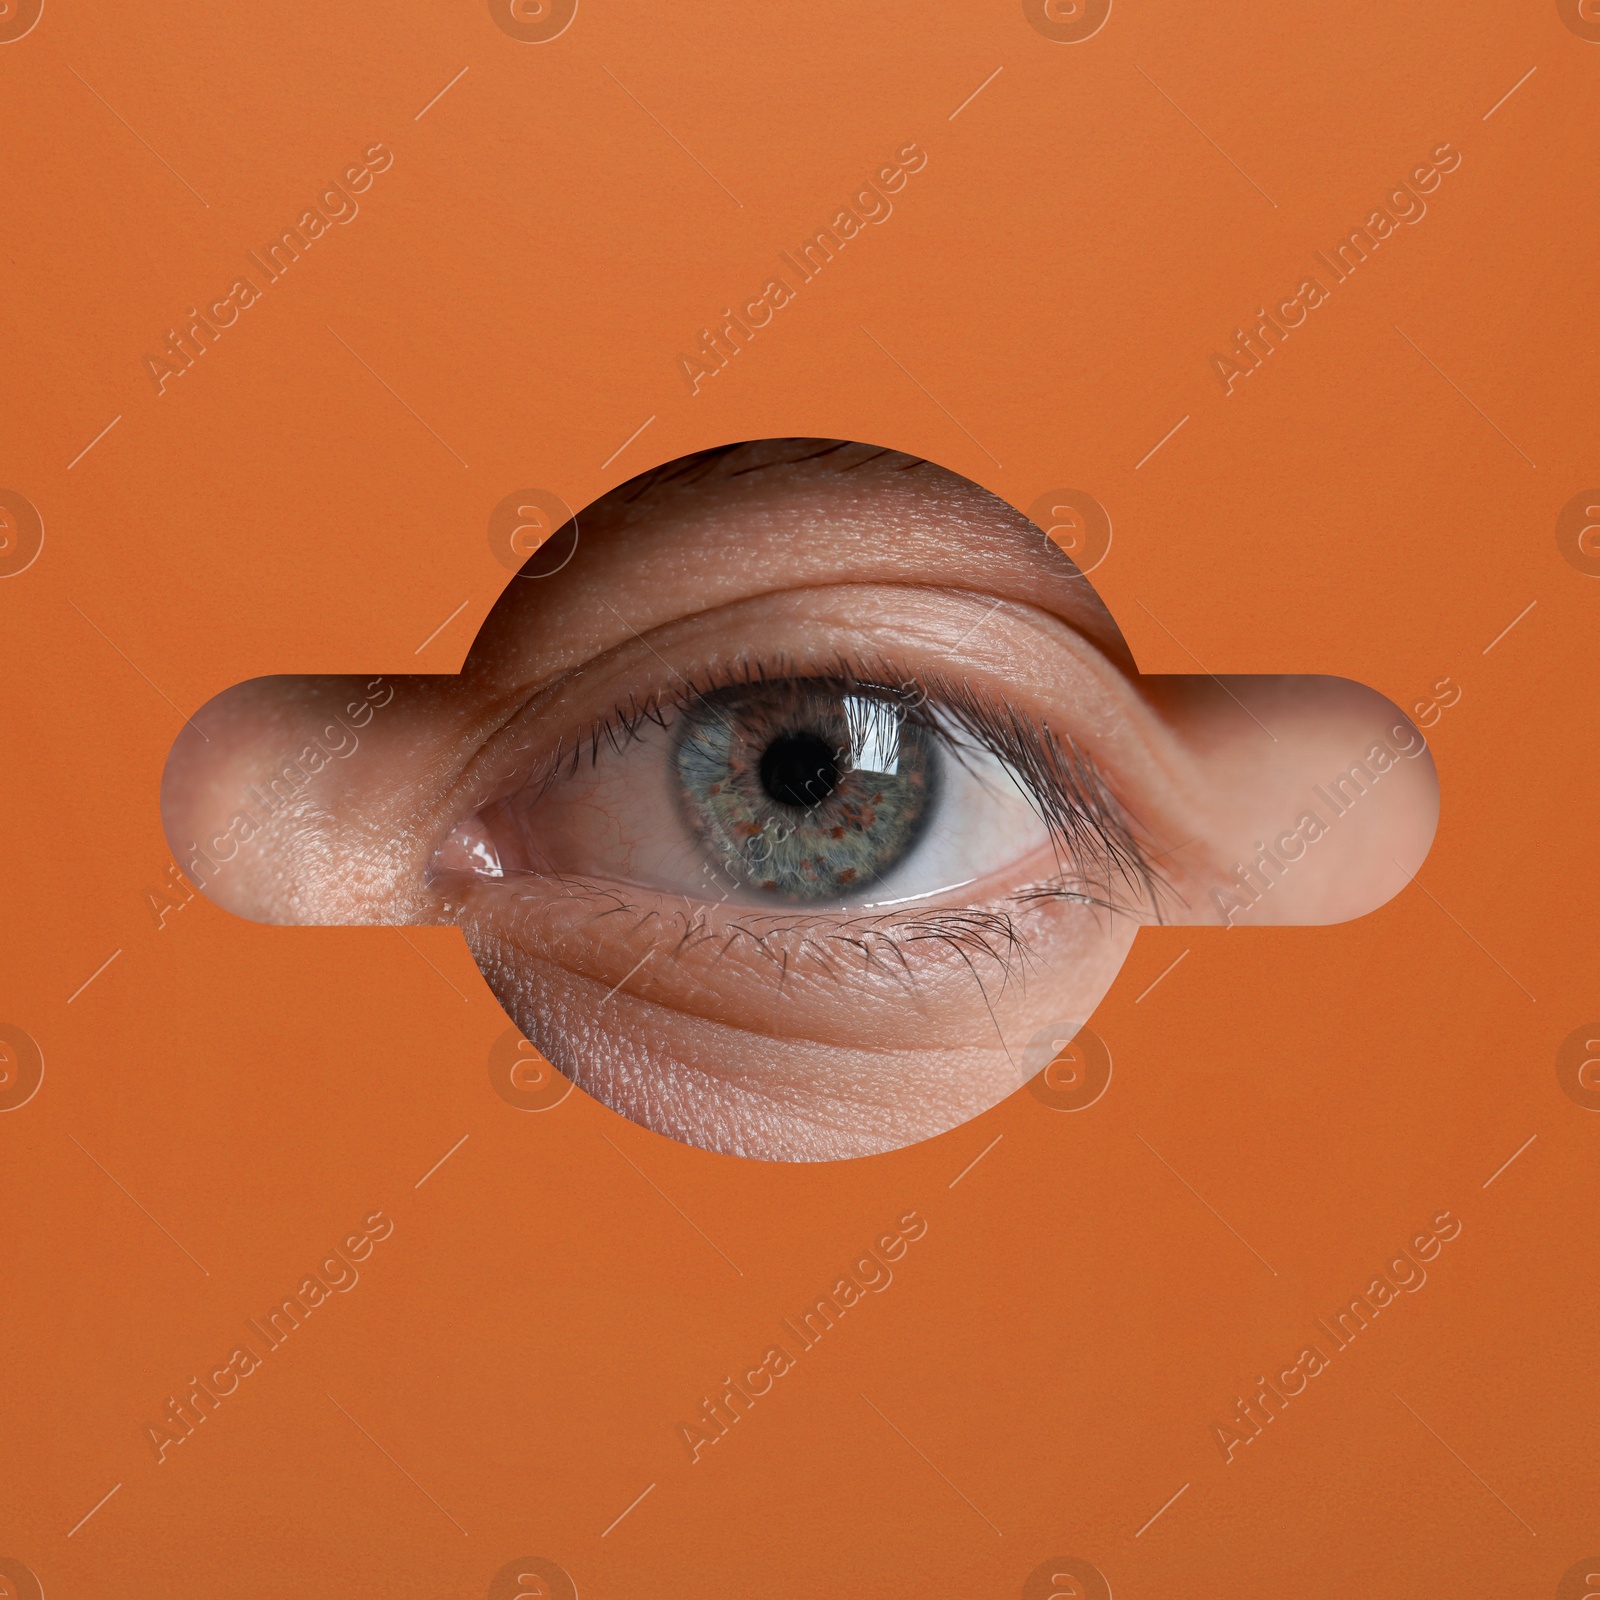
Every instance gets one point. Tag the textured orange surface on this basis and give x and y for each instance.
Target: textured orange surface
(225, 1107)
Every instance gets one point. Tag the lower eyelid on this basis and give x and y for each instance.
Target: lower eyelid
(772, 974)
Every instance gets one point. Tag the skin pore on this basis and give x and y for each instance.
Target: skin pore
(538, 799)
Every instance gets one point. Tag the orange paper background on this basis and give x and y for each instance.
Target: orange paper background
(225, 1101)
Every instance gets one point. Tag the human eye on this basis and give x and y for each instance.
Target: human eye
(860, 788)
(749, 860)
(798, 801)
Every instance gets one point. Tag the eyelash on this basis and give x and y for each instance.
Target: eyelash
(1101, 858)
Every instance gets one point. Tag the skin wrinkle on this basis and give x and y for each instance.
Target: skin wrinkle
(762, 1032)
(672, 1094)
(783, 1018)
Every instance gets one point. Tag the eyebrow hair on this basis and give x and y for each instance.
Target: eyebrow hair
(702, 464)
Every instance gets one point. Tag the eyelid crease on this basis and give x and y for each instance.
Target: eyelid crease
(1102, 855)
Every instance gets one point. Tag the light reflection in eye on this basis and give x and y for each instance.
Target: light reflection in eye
(874, 734)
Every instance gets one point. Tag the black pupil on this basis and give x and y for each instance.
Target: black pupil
(799, 770)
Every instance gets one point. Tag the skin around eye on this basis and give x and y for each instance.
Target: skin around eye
(809, 793)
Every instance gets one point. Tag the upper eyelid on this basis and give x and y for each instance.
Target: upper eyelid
(1115, 718)
(648, 571)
